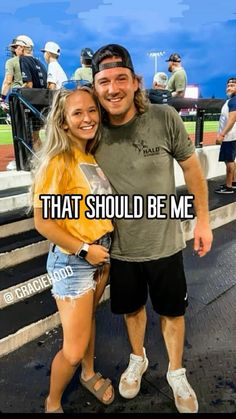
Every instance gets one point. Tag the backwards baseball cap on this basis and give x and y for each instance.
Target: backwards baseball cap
(231, 80)
(23, 41)
(86, 53)
(174, 57)
(160, 78)
(108, 51)
(52, 47)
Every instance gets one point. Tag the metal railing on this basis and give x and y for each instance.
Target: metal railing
(27, 103)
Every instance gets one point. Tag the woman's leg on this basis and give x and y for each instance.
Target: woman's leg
(88, 360)
(76, 318)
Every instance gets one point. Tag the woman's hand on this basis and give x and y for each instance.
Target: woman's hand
(97, 254)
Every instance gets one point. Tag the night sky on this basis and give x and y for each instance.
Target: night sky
(203, 32)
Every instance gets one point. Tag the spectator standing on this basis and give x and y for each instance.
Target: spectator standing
(13, 78)
(178, 81)
(55, 75)
(34, 75)
(85, 71)
(159, 93)
(227, 138)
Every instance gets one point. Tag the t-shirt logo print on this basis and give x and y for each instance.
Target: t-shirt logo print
(140, 145)
(147, 151)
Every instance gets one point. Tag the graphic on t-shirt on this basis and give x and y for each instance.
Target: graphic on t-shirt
(96, 179)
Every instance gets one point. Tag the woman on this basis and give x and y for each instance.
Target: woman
(81, 244)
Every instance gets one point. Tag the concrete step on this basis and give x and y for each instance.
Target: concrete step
(18, 200)
(14, 179)
(17, 256)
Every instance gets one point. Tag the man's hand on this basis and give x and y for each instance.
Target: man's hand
(219, 138)
(4, 106)
(203, 238)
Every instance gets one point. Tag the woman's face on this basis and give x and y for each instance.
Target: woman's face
(82, 117)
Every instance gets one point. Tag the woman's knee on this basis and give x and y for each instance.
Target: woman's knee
(74, 357)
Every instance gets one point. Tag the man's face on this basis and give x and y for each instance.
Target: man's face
(231, 88)
(18, 50)
(115, 88)
(170, 66)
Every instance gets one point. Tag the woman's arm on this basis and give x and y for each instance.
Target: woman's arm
(53, 232)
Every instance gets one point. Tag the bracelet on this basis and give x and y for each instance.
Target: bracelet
(3, 97)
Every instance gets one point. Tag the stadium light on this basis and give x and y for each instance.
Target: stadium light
(155, 54)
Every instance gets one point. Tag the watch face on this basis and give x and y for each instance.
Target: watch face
(83, 253)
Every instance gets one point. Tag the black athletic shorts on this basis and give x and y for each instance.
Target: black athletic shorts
(164, 279)
(228, 151)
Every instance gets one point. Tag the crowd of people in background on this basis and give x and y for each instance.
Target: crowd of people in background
(25, 70)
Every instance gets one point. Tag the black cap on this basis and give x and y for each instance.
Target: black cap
(108, 51)
(174, 57)
(232, 80)
(86, 53)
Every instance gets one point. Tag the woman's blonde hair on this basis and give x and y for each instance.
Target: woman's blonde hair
(57, 140)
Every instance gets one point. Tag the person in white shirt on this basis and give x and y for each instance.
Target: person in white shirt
(55, 74)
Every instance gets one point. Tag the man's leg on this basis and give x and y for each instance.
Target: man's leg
(129, 295)
(130, 380)
(230, 173)
(173, 330)
(136, 327)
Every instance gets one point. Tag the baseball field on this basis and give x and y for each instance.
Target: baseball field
(209, 127)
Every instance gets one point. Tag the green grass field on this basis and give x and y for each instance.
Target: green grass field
(5, 134)
(209, 126)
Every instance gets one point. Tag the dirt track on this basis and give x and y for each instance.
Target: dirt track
(7, 151)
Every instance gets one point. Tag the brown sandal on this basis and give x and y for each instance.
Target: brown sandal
(90, 384)
(59, 410)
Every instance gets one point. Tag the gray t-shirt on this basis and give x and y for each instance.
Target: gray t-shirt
(138, 159)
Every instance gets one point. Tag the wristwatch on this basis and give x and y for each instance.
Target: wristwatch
(83, 251)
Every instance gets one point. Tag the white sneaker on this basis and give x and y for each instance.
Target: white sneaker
(130, 380)
(185, 397)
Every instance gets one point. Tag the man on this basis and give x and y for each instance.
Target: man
(227, 138)
(12, 77)
(178, 81)
(85, 72)
(56, 76)
(137, 151)
(159, 93)
(34, 75)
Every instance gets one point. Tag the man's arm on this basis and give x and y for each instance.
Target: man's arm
(28, 84)
(51, 86)
(229, 125)
(197, 186)
(6, 84)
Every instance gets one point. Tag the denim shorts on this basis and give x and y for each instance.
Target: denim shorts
(70, 275)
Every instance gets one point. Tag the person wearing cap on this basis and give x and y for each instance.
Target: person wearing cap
(56, 76)
(226, 137)
(34, 75)
(85, 71)
(159, 93)
(178, 81)
(139, 144)
(12, 78)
